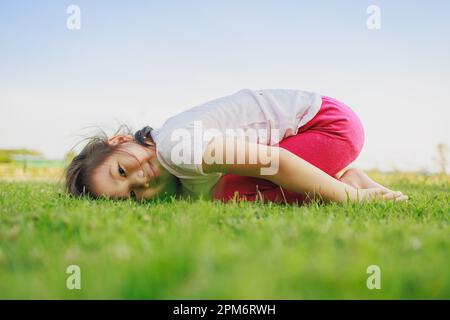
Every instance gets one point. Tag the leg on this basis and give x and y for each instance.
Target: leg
(330, 141)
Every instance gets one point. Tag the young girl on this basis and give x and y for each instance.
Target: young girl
(285, 146)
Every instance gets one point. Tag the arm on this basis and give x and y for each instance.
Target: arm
(294, 173)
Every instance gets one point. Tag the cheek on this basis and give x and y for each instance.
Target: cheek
(101, 183)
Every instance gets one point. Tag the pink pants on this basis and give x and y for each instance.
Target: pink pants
(330, 141)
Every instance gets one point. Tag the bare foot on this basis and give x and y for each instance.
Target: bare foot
(360, 180)
(381, 194)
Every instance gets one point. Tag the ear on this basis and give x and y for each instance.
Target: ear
(119, 139)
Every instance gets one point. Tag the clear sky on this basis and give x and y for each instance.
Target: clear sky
(139, 62)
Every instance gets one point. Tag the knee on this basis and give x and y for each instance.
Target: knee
(356, 138)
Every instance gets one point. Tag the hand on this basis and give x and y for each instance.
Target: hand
(381, 194)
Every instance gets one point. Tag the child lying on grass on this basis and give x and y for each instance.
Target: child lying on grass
(273, 145)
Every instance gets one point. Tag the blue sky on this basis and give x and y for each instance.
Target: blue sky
(139, 62)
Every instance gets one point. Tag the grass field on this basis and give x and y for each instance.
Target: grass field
(201, 249)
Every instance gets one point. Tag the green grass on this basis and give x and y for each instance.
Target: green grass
(201, 249)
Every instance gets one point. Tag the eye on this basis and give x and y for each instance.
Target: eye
(122, 172)
(133, 195)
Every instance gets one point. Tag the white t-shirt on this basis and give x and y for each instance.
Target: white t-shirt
(269, 116)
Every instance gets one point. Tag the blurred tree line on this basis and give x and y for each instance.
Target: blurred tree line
(7, 155)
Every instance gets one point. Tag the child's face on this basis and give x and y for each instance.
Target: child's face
(131, 171)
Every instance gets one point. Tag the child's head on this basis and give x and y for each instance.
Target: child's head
(119, 167)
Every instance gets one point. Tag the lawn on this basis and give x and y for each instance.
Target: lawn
(199, 249)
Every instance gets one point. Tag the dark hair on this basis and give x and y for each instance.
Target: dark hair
(79, 171)
(143, 135)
